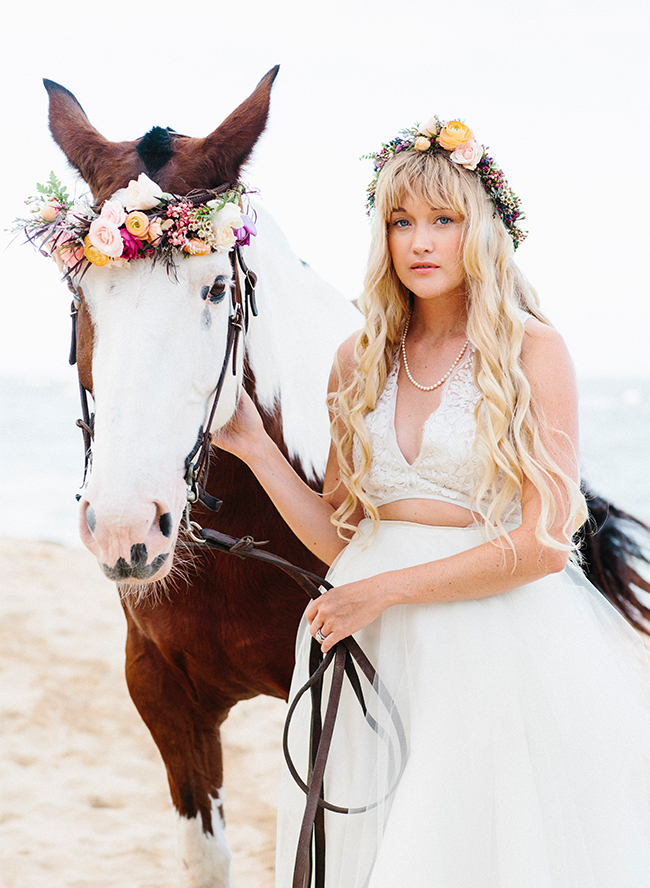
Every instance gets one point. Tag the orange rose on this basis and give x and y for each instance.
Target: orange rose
(454, 134)
(94, 255)
(196, 247)
(137, 224)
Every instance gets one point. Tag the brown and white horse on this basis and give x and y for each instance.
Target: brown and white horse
(150, 346)
(150, 349)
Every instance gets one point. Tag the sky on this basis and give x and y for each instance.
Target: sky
(557, 90)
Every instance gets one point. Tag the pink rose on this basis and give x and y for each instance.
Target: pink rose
(131, 244)
(113, 213)
(106, 238)
(468, 154)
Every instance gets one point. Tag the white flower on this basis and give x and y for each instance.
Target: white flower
(141, 195)
(223, 222)
(422, 143)
(431, 127)
(79, 213)
(468, 154)
(229, 214)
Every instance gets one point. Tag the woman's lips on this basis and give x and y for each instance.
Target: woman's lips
(423, 268)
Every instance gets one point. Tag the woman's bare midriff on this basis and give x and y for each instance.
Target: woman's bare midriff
(426, 511)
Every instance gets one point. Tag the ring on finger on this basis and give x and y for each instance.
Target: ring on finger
(320, 638)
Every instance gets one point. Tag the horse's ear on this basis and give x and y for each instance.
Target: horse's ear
(104, 165)
(219, 157)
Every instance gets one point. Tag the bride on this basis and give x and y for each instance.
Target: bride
(450, 502)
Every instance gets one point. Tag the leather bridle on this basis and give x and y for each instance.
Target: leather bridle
(310, 855)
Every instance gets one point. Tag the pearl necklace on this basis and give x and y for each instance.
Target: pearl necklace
(427, 388)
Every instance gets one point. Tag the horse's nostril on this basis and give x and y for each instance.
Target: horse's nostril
(91, 519)
(165, 523)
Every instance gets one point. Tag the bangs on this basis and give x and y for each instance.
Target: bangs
(431, 178)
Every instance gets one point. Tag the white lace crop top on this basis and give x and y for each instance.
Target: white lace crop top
(447, 467)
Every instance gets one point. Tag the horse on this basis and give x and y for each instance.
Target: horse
(205, 629)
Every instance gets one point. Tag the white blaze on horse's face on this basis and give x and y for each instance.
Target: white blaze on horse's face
(159, 344)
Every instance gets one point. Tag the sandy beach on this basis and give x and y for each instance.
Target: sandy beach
(83, 799)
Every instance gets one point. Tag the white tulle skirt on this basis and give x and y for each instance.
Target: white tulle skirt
(527, 717)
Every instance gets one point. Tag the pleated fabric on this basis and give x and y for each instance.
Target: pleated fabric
(527, 720)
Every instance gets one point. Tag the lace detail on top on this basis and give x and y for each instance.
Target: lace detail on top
(447, 467)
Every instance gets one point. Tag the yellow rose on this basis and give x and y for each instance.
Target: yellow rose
(196, 247)
(94, 255)
(422, 143)
(454, 134)
(137, 224)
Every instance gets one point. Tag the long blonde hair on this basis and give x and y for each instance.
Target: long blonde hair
(509, 428)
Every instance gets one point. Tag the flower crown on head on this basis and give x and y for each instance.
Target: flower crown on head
(137, 222)
(457, 141)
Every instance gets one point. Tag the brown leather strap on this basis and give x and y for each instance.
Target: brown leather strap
(342, 656)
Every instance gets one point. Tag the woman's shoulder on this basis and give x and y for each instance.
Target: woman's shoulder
(545, 357)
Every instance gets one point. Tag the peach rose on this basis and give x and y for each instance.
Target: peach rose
(137, 224)
(106, 237)
(454, 134)
(155, 231)
(468, 154)
(113, 213)
(70, 253)
(422, 143)
(196, 247)
(94, 255)
(49, 211)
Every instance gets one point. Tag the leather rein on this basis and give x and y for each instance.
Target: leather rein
(309, 869)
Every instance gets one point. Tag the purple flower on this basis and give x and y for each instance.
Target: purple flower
(245, 233)
(132, 245)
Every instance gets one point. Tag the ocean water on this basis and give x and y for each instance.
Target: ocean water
(41, 452)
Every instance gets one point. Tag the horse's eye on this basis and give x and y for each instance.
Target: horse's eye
(218, 289)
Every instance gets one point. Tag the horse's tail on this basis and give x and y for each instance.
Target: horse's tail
(611, 544)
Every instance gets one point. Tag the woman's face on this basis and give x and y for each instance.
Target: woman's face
(425, 246)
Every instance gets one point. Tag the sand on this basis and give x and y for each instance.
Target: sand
(83, 791)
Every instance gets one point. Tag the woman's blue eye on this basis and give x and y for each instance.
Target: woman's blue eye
(401, 223)
(444, 220)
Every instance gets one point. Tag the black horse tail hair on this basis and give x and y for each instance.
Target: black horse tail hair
(615, 546)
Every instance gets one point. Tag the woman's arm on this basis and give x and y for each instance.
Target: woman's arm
(307, 513)
(490, 568)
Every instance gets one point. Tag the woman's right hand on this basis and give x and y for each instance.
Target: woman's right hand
(244, 432)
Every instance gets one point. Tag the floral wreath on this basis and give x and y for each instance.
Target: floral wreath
(137, 222)
(458, 142)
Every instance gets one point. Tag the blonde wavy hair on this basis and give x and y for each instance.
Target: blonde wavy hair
(509, 435)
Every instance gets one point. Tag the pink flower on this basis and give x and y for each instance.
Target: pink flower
(132, 245)
(468, 154)
(105, 236)
(113, 212)
(70, 253)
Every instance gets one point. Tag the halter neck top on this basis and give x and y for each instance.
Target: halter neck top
(447, 468)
